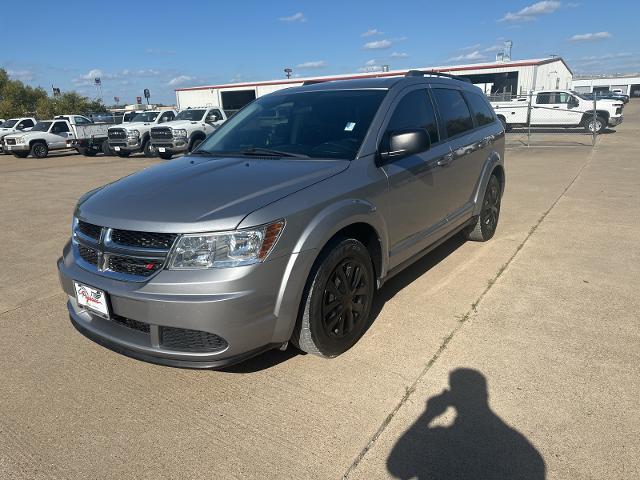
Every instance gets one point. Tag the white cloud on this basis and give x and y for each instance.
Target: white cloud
(22, 75)
(475, 55)
(371, 32)
(399, 55)
(589, 37)
(180, 80)
(494, 48)
(475, 46)
(312, 64)
(377, 45)
(371, 62)
(608, 56)
(532, 11)
(296, 17)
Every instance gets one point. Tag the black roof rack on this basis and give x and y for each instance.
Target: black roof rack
(433, 73)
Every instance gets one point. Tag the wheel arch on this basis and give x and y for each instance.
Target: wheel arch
(493, 164)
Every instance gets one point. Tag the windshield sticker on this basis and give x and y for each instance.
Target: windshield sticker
(349, 127)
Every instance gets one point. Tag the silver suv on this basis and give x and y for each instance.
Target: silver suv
(285, 221)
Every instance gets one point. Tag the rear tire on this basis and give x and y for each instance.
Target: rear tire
(337, 299)
(39, 150)
(123, 154)
(487, 221)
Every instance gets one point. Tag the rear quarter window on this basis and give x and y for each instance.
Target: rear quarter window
(482, 111)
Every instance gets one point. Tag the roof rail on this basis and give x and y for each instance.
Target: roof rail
(434, 73)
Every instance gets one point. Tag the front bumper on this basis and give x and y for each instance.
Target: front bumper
(173, 147)
(20, 147)
(125, 145)
(245, 306)
(613, 121)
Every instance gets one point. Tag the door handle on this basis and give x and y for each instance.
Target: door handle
(556, 107)
(445, 160)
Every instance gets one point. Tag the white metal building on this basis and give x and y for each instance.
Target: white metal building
(510, 77)
(629, 85)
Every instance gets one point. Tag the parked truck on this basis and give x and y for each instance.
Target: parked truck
(15, 125)
(187, 131)
(63, 132)
(134, 136)
(559, 108)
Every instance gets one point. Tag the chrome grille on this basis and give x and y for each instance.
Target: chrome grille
(117, 133)
(161, 133)
(121, 254)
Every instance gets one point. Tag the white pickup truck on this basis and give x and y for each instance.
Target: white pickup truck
(187, 131)
(63, 132)
(15, 125)
(559, 108)
(134, 136)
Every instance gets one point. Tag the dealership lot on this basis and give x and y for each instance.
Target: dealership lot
(546, 313)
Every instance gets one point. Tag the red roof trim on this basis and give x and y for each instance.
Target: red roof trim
(378, 74)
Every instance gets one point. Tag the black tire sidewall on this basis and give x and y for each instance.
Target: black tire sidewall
(195, 143)
(487, 235)
(326, 345)
(165, 156)
(148, 150)
(36, 147)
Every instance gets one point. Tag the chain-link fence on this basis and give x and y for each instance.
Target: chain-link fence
(556, 118)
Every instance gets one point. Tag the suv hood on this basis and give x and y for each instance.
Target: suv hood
(26, 135)
(200, 194)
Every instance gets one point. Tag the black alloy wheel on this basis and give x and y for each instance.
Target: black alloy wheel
(346, 294)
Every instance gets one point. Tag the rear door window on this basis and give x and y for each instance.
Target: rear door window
(482, 111)
(453, 110)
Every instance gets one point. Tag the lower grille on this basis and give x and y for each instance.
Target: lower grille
(142, 267)
(191, 340)
(89, 255)
(131, 323)
(11, 141)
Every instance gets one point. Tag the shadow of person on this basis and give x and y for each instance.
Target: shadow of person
(477, 446)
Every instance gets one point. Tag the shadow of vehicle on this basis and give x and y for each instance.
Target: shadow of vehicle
(555, 130)
(479, 445)
(387, 292)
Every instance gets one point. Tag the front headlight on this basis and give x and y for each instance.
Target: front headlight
(133, 133)
(225, 249)
(180, 133)
(19, 140)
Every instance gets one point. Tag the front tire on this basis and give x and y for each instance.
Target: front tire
(106, 149)
(40, 150)
(595, 126)
(337, 300)
(123, 154)
(21, 154)
(165, 155)
(487, 221)
(148, 150)
(195, 143)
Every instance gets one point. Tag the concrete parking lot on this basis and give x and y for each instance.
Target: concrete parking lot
(517, 358)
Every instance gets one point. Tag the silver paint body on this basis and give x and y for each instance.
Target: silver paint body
(412, 204)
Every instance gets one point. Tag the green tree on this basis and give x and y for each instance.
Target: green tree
(18, 99)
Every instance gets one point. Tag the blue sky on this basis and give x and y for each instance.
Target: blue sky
(161, 45)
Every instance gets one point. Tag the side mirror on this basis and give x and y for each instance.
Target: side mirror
(404, 143)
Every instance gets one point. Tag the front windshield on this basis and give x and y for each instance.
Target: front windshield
(192, 115)
(323, 124)
(41, 127)
(145, 117)
(9, 123)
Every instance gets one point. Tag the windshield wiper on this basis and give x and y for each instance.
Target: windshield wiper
(271, 153)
